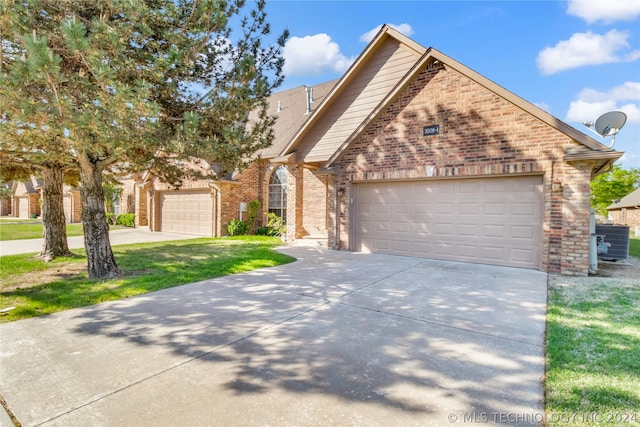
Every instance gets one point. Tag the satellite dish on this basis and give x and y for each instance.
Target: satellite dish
(609, 124)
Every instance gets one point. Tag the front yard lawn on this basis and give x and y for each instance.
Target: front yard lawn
(593, 349)
(20, 229)
(35, 288)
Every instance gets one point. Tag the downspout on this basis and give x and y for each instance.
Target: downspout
(336, 240)
(593, 243)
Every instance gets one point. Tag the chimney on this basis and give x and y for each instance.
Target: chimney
(308, 90)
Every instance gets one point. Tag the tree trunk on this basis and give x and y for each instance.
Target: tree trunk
(55, 231)
(101, 262)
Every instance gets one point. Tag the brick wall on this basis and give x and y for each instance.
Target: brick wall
(481, 135)
(141, 209)
(128, 196)
(314, 205)
(5, 208)
(248, 187)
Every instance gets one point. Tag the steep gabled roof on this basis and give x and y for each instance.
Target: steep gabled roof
(593, 150)
(631, 200)
(385, 60)
(290, 108)
(342, 116)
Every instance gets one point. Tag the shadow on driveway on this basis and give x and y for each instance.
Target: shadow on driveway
(335, 338)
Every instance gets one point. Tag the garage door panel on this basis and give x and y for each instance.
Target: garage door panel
(444, 229)
(401, 227)
(492, 253)
(468, 208)
(494, 221)
(495, 208)
(494, 231)
(470, 187)
(443, 248)
(496, 186)
(381, 245)
(468, 251)
(524, 256)
(443, 208)
(523, 208)
(523, 232)
(401, 208)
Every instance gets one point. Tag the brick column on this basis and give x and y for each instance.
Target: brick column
(575, 218)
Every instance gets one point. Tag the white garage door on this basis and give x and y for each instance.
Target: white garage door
(489, 221)
(68, 213)
(22, 207)
(189, 212)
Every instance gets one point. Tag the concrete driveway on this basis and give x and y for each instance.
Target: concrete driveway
(335, 338)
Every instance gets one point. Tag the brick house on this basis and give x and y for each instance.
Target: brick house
(27, 196)
(627, 210)
(412, 153)
(25, 201)
(205, 207)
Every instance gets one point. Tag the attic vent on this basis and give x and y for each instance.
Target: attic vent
(433, 65)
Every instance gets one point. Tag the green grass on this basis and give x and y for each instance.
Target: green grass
(634, 247)
(147, 267)
(31, 230)
(13, 219)
(593, 351)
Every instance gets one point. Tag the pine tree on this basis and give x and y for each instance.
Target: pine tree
(113, 85)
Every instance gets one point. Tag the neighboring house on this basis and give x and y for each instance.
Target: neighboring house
(26, 198)
(6, 199)
(627, 210)
(205, 207)
(5, 207)
(27, 195)
(26, 201)
(72, 204)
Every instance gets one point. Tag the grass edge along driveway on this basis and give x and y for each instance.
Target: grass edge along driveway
(593, 350)
(35, 288)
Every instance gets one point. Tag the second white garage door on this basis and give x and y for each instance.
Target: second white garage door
(189, 212)
(22, 207)
(490, 221)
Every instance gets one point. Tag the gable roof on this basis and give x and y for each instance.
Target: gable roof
(631, 200)
(290, 108)
(378, 69)
(348, 127)
(30, 184)
(593, 150)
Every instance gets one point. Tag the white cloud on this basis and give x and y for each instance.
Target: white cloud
(606, 11)
(626, 91)
(403, 28)
(590, 103)
(586, 49)
(543, 106)
(313, 55)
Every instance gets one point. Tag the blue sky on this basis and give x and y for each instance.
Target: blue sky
(576, 59)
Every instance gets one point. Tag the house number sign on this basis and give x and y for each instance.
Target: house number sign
(431, 130)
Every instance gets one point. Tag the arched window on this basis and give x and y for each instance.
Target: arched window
(278, 192)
